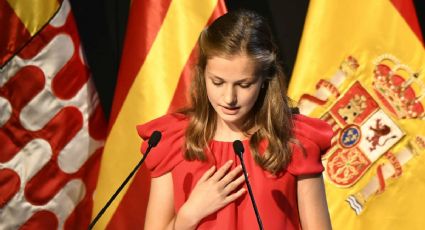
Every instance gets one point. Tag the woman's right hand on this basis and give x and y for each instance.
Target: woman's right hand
(213, 191)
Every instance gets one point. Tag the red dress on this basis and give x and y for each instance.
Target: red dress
(276, 196)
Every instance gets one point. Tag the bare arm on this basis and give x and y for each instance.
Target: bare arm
(160, 211)
(160, 214)
(312, 205)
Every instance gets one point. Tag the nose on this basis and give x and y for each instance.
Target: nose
(230, 95)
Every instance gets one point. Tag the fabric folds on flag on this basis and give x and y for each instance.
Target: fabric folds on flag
(360, 67)
(158, 54)
(52, 128)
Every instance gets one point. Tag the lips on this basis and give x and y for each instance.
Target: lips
(230, 110)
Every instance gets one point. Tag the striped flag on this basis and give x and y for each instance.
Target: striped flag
(153, 78)
(52, 128)
(360, 67)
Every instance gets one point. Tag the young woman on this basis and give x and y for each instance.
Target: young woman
(238, 93)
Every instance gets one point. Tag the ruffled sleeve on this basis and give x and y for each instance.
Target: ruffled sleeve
(314, 135)
(169, 151)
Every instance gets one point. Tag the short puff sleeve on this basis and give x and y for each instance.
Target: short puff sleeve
(169, 151)
(314, 135)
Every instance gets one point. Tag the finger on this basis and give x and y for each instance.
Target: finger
(232, 197)
(234, 184)
(229, 177)
(222, 171)
(207, 174)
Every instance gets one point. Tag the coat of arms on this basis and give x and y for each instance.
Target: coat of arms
(366, 124)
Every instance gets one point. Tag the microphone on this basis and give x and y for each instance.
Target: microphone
(239, 150)
(153, 141)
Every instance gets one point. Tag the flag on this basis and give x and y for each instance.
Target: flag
(158, 55)
(360, 67)
(52, 128)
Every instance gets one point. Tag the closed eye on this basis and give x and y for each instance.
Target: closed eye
(245, 85)
(217, 83)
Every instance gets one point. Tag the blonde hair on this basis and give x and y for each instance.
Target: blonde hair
(237, 33)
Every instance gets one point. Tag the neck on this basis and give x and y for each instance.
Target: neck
(228, 132)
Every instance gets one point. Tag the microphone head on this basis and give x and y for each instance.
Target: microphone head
(238, 148)
(154, 139)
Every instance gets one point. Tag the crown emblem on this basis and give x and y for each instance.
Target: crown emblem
(398, 88)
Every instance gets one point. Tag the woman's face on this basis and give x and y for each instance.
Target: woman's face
(232, 87)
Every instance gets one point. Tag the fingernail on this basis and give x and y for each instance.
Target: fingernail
(230, 162)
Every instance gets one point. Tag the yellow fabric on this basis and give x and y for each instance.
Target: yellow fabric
(150, 96)
(367, 31)
(34, 14)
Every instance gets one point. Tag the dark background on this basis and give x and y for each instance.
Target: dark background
(102, 25)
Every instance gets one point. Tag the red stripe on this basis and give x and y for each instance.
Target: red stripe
(131, 211)
(14, 34)
(219, 10)
(407, 10)
(181, 93)
(145, 20)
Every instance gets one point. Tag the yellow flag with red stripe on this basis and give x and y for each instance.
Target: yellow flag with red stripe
(360, 68)
(158, 53)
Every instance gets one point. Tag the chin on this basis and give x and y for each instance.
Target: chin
(232, 119)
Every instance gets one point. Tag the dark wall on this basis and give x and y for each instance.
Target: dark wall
(286, 20)
(102, 24)
(420, 12)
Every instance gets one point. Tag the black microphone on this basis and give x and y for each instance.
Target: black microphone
(153, 141)
(239, 150)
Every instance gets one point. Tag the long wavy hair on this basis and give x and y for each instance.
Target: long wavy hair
(243, 33)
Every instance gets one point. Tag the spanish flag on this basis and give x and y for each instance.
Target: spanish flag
(360, 67)
(158, 55)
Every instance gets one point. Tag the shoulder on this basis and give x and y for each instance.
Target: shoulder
(314, 130)
(175, 122)
(313, 138)
(169, 151)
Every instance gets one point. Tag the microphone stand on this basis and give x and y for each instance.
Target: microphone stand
(153, 141)
(239, 150)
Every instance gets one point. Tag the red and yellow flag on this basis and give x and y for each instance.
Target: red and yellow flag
(360, 67)
(153, 78)
(52, 128)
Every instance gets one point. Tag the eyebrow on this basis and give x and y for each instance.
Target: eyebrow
(248, 79)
